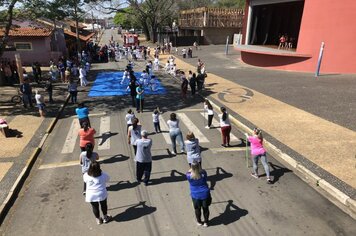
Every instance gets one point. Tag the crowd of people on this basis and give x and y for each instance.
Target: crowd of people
(138, 138)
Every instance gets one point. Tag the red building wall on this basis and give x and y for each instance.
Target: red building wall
(329, 21)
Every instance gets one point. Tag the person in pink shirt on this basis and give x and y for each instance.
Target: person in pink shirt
(258, 152)
(86, 135)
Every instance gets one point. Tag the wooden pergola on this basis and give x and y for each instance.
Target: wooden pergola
(211, 17)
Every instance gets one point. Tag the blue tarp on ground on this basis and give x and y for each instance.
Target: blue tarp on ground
(109, 84)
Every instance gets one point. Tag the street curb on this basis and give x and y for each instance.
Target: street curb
(16, 187)
(60, 110)
(340, 199)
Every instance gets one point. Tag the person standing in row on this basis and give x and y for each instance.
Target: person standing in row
(225, 127)
(209, 109)
(83, 76)
(193, 149)
(73, 90)
(184, 86)
(86, 158)
(258, 152)
(175, 133)
(129, 117)
(139, 98)
(200, 192)
(83, 114)
(134, 133)
(143, 158)
(86, 135)
(132, 87)
(155, 118)
(96, 192)
(193, 83)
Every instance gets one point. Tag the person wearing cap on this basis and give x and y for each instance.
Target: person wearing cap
(143, 157)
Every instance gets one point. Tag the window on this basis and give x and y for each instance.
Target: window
(23, 46)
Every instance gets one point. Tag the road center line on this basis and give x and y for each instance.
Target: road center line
(71, 138)
(192, 127)
(104, 131)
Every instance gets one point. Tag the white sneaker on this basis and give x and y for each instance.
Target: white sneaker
(173, 153)
(205, 224)
(199, 223)
(99, 221)
(254, 176)
(207, 127)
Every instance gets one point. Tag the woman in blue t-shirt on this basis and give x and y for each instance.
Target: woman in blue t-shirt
(199, 192)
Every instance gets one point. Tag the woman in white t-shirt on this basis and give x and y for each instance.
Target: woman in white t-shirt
(175, 133)
(83, 76)
(96, 192)
(129, 117)
(155, 119)
(86, 157)
(134, 133)
(40, 103)
(225, 127)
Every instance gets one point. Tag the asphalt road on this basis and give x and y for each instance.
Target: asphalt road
(330, 96)
(51, 203)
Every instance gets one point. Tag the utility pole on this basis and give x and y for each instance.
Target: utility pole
(77, 28)
(92, 20)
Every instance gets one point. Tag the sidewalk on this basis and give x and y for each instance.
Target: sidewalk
(19, 152)
(320, 151)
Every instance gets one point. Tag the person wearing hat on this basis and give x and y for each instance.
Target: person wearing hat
(143, 158)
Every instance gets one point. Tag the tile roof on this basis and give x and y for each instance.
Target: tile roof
(28, 32)
(82, 37)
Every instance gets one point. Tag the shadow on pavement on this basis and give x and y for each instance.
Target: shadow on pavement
(277, 172)
(160, 157)
(169, 179)
(135, 212)
(231, 214)
(14, 133)
(220, 174)
(105, 136)
(113, 159)
(122, 185)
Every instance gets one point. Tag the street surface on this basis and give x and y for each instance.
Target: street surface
(51, 202)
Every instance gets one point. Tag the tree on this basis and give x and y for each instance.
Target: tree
(230, 3)
(153, 14)
(7, 19)
(51, 10)
(126, 19)
(57, 10)
(189, 4)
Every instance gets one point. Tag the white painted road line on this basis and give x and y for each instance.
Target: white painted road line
(164, 127)
(229, 149)
(104, 130)
(192, 127)
(216, 123)
(72, 135)
(55, 165)
(93, 114)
